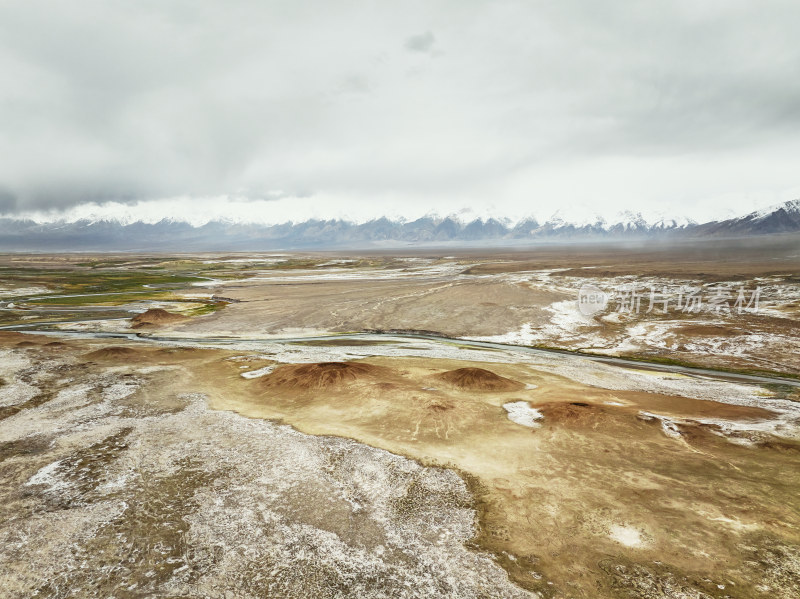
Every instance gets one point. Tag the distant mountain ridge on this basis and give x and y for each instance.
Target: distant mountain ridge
(170, 235)
(784, 218)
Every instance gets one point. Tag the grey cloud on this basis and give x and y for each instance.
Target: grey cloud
(423, 42)
(111, 100)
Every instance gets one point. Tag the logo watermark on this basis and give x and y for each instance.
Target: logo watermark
(591, 300)
(636, 299)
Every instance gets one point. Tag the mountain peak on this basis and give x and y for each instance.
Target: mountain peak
(789, 207)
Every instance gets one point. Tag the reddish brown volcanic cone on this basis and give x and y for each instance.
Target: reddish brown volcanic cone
(323, 375)
(478, 379)
(113, 352)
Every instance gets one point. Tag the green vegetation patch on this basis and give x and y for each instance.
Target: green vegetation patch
(100, 299)
(206, 309)
(84, 281)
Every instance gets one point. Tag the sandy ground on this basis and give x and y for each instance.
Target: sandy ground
(127, 466)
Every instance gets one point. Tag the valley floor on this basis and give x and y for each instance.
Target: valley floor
(242, 445)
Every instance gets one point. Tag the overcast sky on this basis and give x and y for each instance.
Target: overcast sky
(276, 110)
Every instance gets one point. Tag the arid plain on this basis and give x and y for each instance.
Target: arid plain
(443, 423)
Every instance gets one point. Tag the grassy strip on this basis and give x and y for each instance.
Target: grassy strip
(102, 299)
(98, 282)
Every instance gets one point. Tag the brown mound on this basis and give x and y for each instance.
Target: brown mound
(576, 412)
(154, 317)
(27, 344)
(478, 379)
(56, 345)
(323, 375)
(113, 352)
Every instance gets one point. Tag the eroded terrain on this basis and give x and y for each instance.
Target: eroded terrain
(202, 426)
(119, 481)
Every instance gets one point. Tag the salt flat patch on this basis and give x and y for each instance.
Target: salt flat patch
(520, 412)
(627, 535)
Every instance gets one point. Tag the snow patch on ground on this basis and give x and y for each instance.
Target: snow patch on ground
(253, 374)
(522, 413)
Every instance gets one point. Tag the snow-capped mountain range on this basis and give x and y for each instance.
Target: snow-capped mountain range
(172, 235)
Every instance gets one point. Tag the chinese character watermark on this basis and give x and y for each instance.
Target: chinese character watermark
(634, 299)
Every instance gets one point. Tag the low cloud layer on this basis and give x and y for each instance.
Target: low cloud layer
(509, 107)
